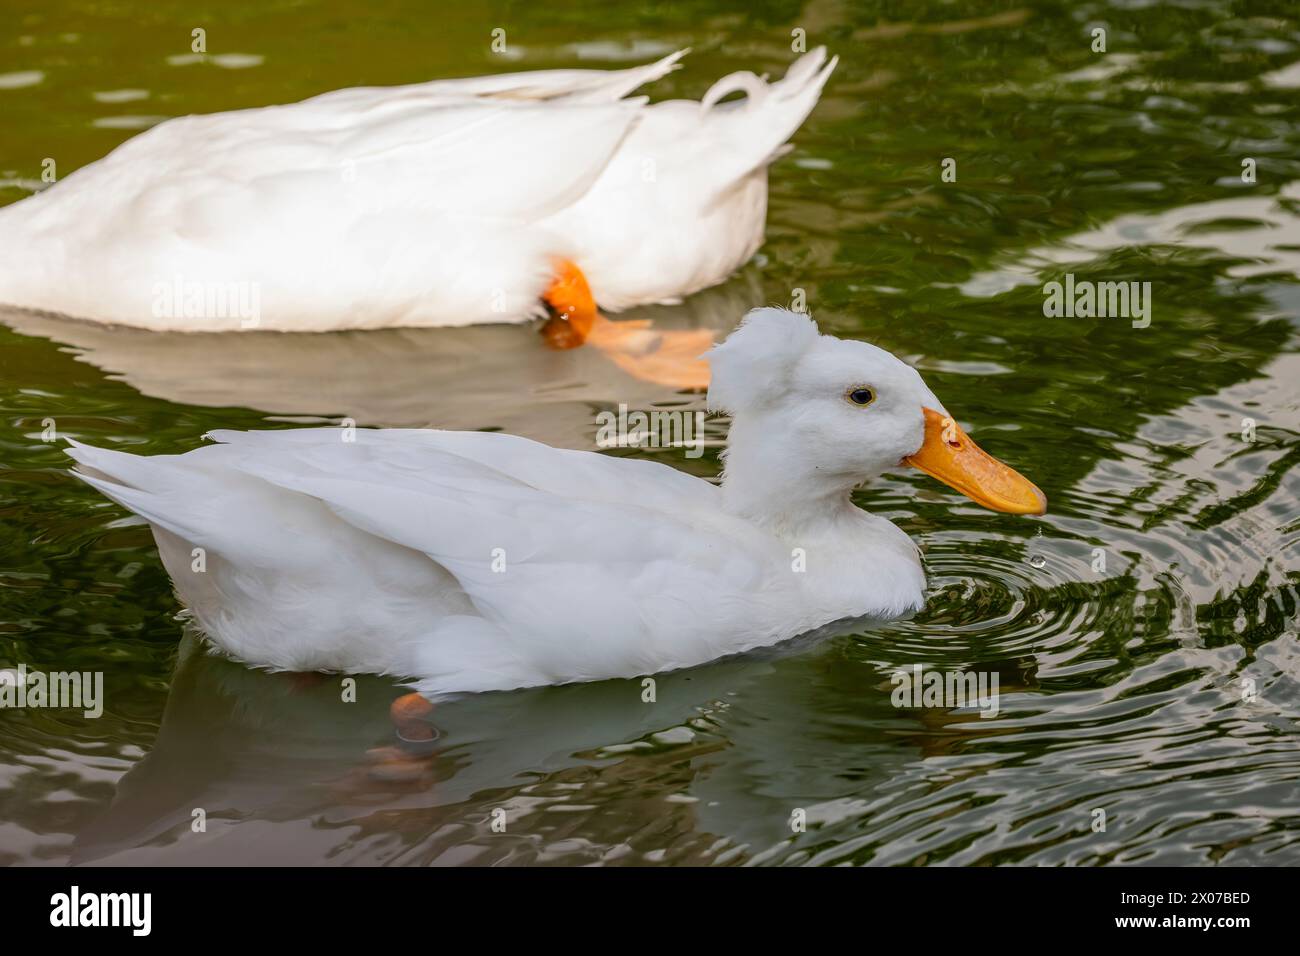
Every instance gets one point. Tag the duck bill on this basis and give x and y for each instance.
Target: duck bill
(949, 455)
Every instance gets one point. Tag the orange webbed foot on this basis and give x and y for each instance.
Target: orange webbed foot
(408, 764)
(410, 715)
(665, 357)
(570, 297)
(410, 760)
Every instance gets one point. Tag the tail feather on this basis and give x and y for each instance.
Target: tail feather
(804, 71)
(141, 503)
(802, 85)
(629, 80)
(574, 86)
(119, 467)
(136, 483)
(742, 81)
(758, 126)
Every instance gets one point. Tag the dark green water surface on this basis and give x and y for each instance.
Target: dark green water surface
(1126, 626)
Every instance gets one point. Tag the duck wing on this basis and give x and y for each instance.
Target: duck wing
(407, 214)
(570, 565)
(585, 85)
(579, 566)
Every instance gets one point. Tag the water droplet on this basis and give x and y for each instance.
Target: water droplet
(1038, 561)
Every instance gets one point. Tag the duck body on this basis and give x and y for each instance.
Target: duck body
(438, 204)
(467, 561)
(477, 561)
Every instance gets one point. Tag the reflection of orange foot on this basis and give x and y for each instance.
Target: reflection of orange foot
(570, 297)
(669, 357)
(411, 764)
(395, 765)
(410, 714)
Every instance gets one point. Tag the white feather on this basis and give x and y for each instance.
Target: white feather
(438, 204)
(481, 561)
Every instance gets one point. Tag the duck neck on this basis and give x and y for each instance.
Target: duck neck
(766, 485)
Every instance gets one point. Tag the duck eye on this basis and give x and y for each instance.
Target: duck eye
(861, 395)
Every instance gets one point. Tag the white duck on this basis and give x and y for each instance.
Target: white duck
(446, 203)
(482, 561)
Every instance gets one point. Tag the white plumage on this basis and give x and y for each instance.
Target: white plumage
(482, 561)
(437, 204)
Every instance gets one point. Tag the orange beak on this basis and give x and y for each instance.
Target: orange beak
(949, 455)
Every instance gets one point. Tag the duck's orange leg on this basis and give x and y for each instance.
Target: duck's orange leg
(570, 297)
(409, 713)
(670, 357)
(409, 762)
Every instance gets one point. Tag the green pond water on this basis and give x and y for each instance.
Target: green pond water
(1143, 632)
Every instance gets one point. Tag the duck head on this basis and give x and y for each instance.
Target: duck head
(813, 416)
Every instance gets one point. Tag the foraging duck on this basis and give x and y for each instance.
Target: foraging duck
(447, 203)
(475, 561)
